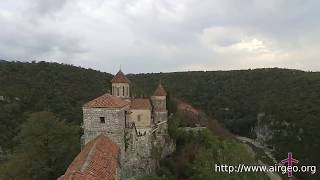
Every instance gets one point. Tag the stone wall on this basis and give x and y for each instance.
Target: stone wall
(164, 145)
(159, 103)
(160, 119)
(144, 121)
(138, 160)
(113, 126)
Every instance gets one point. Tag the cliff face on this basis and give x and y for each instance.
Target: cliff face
(263, 129)
(279, 137)
(143, 153)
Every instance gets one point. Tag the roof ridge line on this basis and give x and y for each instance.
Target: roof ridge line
(89, 158)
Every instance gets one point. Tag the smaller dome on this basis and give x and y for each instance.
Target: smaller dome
(160, 91)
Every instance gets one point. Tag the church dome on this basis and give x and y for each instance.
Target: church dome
(120, 78)
(160, 91)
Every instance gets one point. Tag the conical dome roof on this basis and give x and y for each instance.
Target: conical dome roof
(160, 91)
(120, 78)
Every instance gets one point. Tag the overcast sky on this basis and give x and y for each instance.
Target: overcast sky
(163, 35)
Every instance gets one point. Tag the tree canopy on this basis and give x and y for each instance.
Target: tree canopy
(289, 100)
(46, 147)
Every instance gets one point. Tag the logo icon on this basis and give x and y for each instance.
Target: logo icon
(289, 161)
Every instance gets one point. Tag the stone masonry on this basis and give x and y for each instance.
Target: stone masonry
(142, 138)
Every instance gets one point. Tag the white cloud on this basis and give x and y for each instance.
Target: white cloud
(165, 35)
(247, 48)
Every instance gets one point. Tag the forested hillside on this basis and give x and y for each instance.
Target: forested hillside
(286, 101)
(40, 115)
(31, 87)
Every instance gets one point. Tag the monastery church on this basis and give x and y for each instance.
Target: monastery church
(123, 137)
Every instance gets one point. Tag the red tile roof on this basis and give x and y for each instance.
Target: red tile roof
(97, 161)
(106, 101)
(140, 104)
(160, 91)
(120, 78)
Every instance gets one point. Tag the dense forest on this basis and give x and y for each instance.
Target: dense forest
(287, 100)
(40, 100)
(286, 103)
(31, 87)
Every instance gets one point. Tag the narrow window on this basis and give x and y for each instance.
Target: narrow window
(118, 91)
(122, 90)
(128, 91)
(102, 120)
(139, 117)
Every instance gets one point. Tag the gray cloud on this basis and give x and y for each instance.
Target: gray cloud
(166, 35)
(44, 7)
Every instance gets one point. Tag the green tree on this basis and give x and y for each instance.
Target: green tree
(47, 146)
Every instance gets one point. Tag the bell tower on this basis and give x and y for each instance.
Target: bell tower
(160, 112)
(120, 85)
(159, 99)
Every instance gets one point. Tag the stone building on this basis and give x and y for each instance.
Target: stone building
(138, 127)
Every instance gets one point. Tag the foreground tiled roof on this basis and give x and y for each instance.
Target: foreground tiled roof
(97, 161)
(120, 78)
(140, 104)
(160, 91)
(106, 101)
